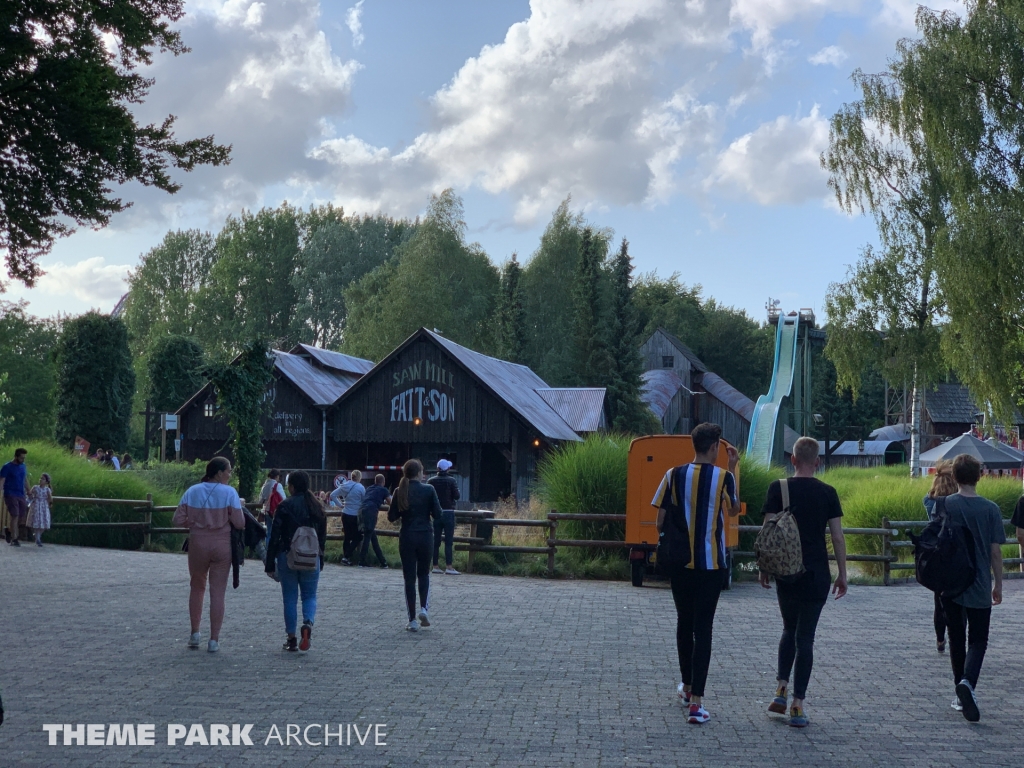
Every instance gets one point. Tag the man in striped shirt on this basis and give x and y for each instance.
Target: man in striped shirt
(697, 496)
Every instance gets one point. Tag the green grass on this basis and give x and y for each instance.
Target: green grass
(73, 476)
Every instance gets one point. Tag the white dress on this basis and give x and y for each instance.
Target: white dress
(39, 508)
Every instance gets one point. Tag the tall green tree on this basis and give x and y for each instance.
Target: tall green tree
(548, 279)
(176, 366)
(335, 253)
(672, 305)
(962, 86)
(886, 313)
(69, 130)
(5, 403)
(435, 280)
(240, 386)
(626, 411)
(95, 382)
(510, 318)
(252, 294)
(589, 353)
(26, 358)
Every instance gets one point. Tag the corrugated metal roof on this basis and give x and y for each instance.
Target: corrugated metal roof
(516, 384)
(728, 394)
(685, 351)
(582, 408)
(871, 448)
(891, 433)
(320, 385)
(658, 388)
(991, 457)
(334, 360)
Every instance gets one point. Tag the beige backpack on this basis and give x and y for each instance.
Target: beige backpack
(777, 547)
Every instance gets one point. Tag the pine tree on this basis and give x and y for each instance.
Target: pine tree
(626, 411)
(590, 356)
(510, 318)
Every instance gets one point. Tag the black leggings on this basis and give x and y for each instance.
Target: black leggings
(966, 653)
(939, 620)
(799, 622)
(696, 597)
(414, 548)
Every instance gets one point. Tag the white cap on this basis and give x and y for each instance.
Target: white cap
(444, 465)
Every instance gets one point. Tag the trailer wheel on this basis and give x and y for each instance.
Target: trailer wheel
(638, 568)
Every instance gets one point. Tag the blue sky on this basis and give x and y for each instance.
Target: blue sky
(691, 127)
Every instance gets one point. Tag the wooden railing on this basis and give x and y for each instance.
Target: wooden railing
(482, 522)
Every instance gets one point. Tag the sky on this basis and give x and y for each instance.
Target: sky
(693, 128)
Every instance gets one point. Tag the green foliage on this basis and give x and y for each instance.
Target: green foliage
(74, 476)
(587, 477)
(241, 386)
(95, 382)
(69, 128)
(26, 356)
(251, 290)
(436, 280)
(627, 413)
(866, 411)
(336, 252)
(5, 403)
(510, 316)
(589, 354)
(175, 368)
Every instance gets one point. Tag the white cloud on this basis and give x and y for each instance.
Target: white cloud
(778, 163)
(902, 14)
(91, 280)
(261, 76)
(353, 20)
(831, 55)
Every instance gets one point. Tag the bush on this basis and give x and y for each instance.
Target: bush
(588, 477)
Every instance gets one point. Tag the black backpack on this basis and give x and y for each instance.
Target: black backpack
(674, 542)
(944, 556)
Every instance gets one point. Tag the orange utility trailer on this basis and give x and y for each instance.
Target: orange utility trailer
(649, 459)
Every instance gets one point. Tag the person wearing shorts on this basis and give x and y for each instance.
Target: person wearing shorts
(15, 477)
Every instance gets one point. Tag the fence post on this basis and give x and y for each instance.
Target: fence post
(469, 555)
(552, 529)
(147, 538)
(886, 552)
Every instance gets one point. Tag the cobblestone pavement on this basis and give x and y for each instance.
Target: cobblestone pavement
(513, 672)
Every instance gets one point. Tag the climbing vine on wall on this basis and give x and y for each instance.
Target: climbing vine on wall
(240, 387)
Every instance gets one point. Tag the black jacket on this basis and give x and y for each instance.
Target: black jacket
(423, 508)
(447, 489)
(289, 516)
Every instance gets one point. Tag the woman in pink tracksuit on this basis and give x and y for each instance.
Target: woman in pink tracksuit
(209, 510)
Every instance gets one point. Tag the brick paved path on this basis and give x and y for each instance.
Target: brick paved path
(513, 672)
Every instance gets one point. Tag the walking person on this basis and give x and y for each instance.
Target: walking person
(943, 485)
(415, 504)
(40, 501)
(209, 509)
(969, 614)
(301, 510)
(447, 494)
(351, 493)
(815, 506)
(376, 496)
(693, 498)
(15, 476)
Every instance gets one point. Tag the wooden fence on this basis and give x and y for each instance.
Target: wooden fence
(482, 522)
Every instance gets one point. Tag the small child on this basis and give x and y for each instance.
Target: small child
(40, 498)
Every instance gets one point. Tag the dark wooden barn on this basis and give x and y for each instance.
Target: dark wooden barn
(297, 426)
(432, 398)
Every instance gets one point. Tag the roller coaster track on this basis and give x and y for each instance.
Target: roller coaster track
(764, 423)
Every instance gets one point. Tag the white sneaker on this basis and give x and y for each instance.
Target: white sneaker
(698, 715)
(414, 626)
(956, 704)
(424, 618)
(213, 646)
(684, 695)
(451, 571)
(436, 569)
(193, 640)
